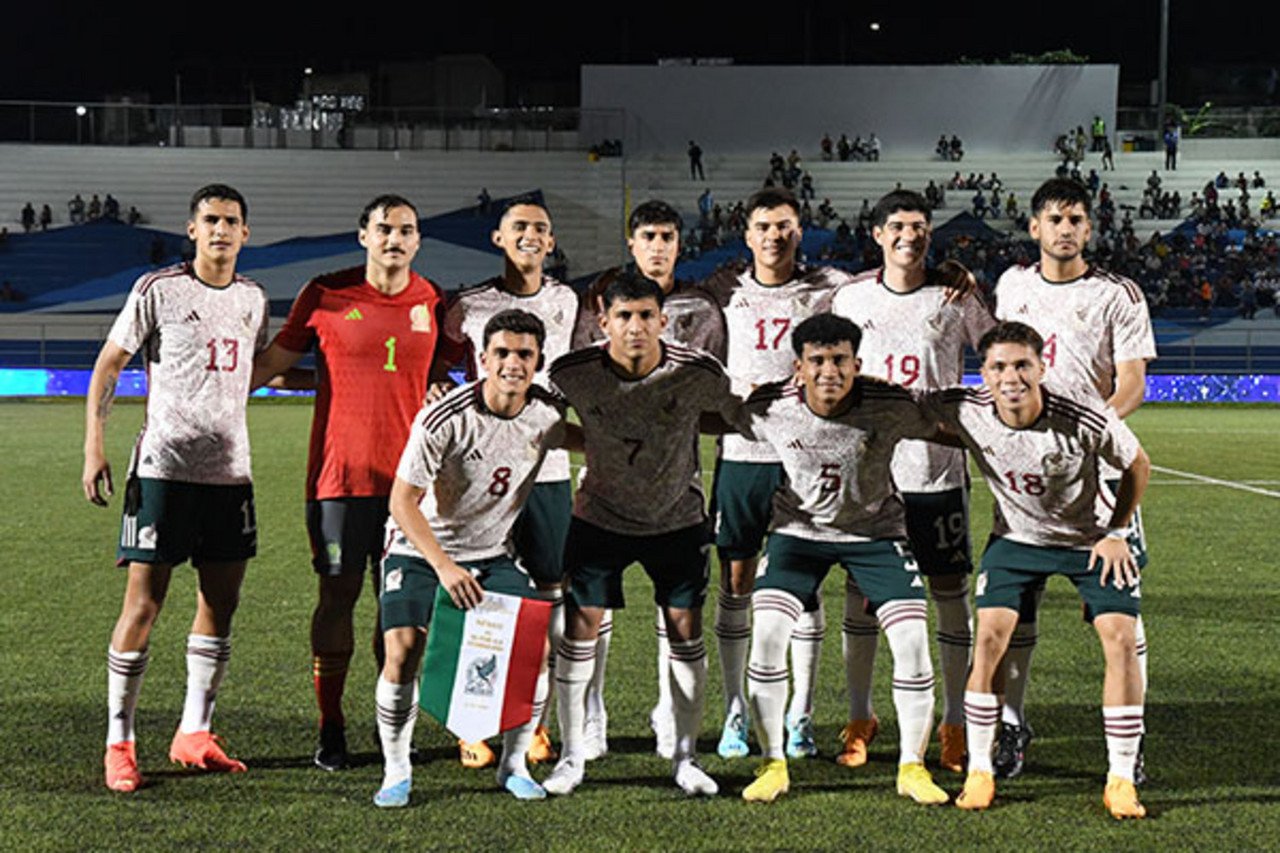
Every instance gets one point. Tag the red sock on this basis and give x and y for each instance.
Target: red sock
(330, 672)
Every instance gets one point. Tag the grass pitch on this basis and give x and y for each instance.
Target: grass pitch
(1211, 608)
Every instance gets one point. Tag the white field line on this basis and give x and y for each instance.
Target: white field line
(1214, 481)
(1194, 483)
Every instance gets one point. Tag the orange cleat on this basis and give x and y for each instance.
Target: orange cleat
(540, 748)
(202, 751)
(1121, 799)
(979, 791)
(857, 736)
(121, 763)
(476, 755)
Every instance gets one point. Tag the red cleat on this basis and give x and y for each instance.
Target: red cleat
(121, 763)
(202, 751)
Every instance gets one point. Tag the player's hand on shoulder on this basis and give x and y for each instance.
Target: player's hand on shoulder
(96, 479)
(437, 390)
(1111, 555)
(462, 587)
(958, 284)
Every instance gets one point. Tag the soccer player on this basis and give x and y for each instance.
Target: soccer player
(465, 474)
(693, 320)
(914, 334)
(640, 401)
(189, 493)
(525, 236)
(374, 330)
(835, 434)
(1097, 342)
(1041, 454)
(761, 305)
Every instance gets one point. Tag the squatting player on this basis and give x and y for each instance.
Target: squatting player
(189, 493)
(914, 334)
(693, 320)
(374, 329)
(835, 434)
(464, 477)
(1097, 342)
(1041, 454)
(640, 401)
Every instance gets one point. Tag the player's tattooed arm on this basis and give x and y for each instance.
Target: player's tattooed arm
(405, 508)
(95, 477)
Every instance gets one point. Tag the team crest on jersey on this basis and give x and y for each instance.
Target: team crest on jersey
(420, 318)
(1056, 464)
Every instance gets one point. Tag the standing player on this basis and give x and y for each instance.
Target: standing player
(836, 435)
(761, 305)
(465, 474)
(1097, 342)
(525, 236)
(639, 400)
(189, 494)
(374, 330)
(913, 334)
(693, 320)
(1041, 454)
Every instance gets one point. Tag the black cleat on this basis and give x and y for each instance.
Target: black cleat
(1140, 764)
(1011, 750)
(331, 754)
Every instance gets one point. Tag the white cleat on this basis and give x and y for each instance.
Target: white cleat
(662, 721)
(567, 776)
(595, 737)
(693, 780)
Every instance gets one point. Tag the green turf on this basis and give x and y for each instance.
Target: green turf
(1210, 600)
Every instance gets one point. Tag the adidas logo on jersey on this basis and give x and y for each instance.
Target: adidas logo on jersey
(354, 314)
(868, 324)
(795, 444)
(193, 317)
(1024, 309)
(474, 456)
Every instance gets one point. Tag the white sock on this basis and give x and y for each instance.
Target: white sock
(1017, 667)
(733, 637)
(955, 642)
(906, 627)
(981, 713)
(688, 683)
(1140, 638)
(515, 742)
(860, 635)
(806, 652)
(397, 711)
(774, 613)
(573, 672)
(124, 681)
(664, 705)
(595, 690)
(555, 633)
(1123, 726)
(207, 659)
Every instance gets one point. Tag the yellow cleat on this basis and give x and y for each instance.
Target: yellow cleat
(1121, 799)
(915, 782)
(953, 754)
(540, 748)
(475, 755)
(979, 791)
(772, 781)
(857, 736)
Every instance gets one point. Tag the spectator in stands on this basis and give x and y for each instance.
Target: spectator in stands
(134, 215)
(1093, 181)
(806, 214)
(777, 167)
(873, 148)
(484, 203)
(826, 213)
(695, 162)
(1222, 181)
(1172, 136)
(844, 147)
(28, 218)
(1248, 300)
(705, 203)
(111, 208)
(46, 217)
(75, 210)
(4, 236)
(1267, 207)
(1078, 147)
(1153, 181)
(1108, 159)
(1011, 206)
(1258, 181)
(827, 146)
(1099, 128)
(806, 186)
(980, 205)
(1241, 182)
(933, 195)
(95, 207)
(956, 182)
(864, 214)
(956, 148)
(942, 149)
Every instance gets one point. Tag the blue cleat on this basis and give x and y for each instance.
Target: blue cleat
(800, 742)
(522, 787)
(394, 796)
(733, 740)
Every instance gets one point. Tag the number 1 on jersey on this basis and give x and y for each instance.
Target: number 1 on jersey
(391, 354)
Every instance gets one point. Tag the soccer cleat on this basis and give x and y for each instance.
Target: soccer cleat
(733, 740)
(693, 780)
(772, 781)
(331, 753)
(595, 736)
(394, 796)
(662, 721)
(202, 751)
(475, 755)
(857, 736)
(565, 777)
(915, 782)
(540, 748)
(1140, 776)
(1011, 750)
(121, 764)
(521, 787)
(1121, 799)
(800, 742)
(953, 753)
(979, 791)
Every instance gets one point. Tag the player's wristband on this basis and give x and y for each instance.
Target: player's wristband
(1121, 533)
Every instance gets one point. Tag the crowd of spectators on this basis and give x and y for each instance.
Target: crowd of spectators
(949, 149)
(845, 149)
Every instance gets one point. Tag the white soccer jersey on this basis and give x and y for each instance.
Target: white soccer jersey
(555, 304)
(694, 318)
(197, 343)
(1045, 477)
(916, 339)
(643, 473)
(1088, 324)
(759, 320)
(477, 469)
(838, 486)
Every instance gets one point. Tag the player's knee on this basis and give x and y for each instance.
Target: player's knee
(338, 593)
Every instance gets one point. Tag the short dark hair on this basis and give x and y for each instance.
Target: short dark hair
(385, 202)
(222, 192)
(771, 197)
(1064, 192)
(518, 322)
(517, 201)
(654, 212)
(629, 286)
(1010, 332)
(825, 329)
(900, 200)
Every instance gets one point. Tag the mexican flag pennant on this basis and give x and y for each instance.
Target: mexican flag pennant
(481, 665)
